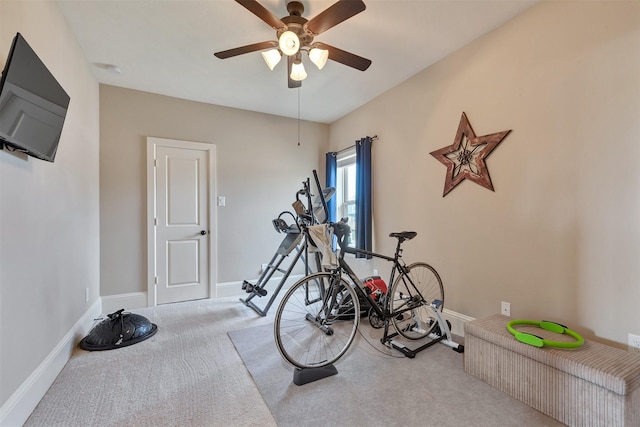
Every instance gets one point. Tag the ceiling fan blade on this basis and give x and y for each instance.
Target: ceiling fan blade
(245, 49)
(263, 13)
(335, 14)
(344, 57)
(292, 83)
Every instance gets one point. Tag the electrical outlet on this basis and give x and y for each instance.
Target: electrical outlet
(634, 343)
(505, 308)
(375, 271)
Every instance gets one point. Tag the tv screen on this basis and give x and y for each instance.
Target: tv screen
(33, 105)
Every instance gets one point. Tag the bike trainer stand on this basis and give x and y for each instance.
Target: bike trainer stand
(307, 375)
(437, 336)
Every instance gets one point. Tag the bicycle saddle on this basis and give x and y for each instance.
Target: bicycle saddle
(404, 235)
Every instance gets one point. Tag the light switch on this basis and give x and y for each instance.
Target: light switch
(221, 201)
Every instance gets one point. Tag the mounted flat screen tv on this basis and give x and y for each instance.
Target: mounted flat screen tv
(33, 105)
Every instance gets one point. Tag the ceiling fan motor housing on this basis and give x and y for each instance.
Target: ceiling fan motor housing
(296, 23)
(295, 8)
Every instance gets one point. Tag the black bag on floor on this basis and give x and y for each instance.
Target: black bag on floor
(118, 330)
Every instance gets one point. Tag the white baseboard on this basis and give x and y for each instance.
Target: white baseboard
(234, 289)
(229, 289)
(129, 301)
(23, 401)
(135, 300)
(457, 321)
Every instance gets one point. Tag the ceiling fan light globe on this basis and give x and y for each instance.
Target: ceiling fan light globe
(319, 57)
(271, 57)
(298, 72)
(289, 43)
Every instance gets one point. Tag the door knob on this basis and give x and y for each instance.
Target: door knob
(203, 232)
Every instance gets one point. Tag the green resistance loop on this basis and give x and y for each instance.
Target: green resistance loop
(537, 341)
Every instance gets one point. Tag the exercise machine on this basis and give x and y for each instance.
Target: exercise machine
(294, 247)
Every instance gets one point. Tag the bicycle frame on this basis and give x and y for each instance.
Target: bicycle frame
(398, 267)
(357, 282)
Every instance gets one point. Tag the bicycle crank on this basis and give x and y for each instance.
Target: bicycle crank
(376, 321)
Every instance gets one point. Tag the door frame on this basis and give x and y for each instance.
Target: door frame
(152, 144)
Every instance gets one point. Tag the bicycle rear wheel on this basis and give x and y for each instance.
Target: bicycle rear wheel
(316, 321)
(411, 297)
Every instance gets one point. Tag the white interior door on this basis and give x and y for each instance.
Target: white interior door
(182, 222)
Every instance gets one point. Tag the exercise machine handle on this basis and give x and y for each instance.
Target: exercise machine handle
(322, 199)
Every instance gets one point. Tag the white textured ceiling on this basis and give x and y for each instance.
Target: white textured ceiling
(167, 46)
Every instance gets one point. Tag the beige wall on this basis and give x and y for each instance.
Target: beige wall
(260, 167)
(49, 220)
(560, 237)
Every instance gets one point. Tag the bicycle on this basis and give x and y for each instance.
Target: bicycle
(318, 317)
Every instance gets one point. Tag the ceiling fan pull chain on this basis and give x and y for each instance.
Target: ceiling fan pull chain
(298, 117)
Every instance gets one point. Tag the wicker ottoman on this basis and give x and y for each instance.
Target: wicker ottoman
(593, 385)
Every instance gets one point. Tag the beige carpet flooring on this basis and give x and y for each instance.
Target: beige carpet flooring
(187, 374)
(377, 386)
(191, 373)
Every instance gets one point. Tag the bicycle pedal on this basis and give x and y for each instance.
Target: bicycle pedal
(260, 291)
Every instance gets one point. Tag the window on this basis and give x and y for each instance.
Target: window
(346, 190)
(349, 171)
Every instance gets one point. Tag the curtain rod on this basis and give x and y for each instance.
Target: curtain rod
(373, 138)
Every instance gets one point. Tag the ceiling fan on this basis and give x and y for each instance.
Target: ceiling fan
(295, 34)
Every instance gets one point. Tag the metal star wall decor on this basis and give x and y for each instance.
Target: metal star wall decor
(465, 158)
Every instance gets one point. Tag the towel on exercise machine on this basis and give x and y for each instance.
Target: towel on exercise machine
(322, 237)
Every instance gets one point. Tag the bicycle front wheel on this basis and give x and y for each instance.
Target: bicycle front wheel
(412, 295)
(316, 321)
